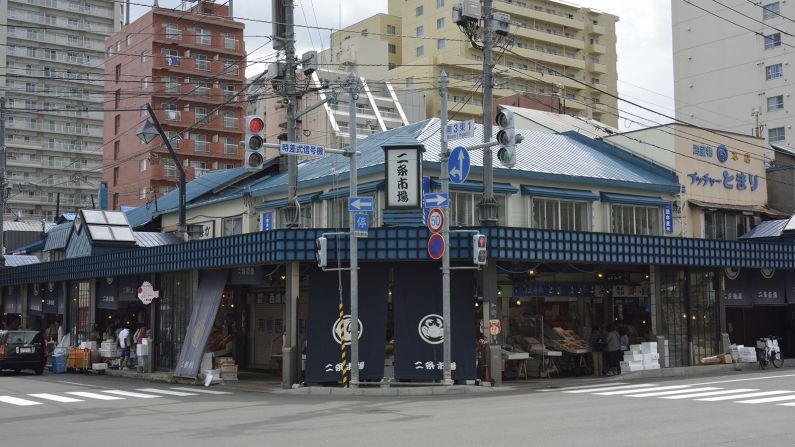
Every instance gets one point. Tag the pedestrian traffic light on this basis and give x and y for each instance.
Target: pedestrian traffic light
(255, 141)
(322, 251)
(479, 249)
(507, 138)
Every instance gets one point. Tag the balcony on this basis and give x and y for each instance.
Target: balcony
(550, 38)
(40, 54)
(597, 68)
(47, 37)
(550, 58)
(56, 128)
(530, 14)
(597, 48)
(61, 22)
(191, 66)
(594, 29)
(230, 43)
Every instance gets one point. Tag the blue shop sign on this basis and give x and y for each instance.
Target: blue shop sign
(668, 219)
(737, 180)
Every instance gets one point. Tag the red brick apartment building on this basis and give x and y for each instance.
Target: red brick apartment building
(190, 66)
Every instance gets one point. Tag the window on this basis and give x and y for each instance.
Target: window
(771, 10)
(231, 226)
(337, 215)
(118, 46)
(439, 3)
(117, 98)
(142, 192)
(129, 40)
(440, 44)
(145, 56)
(203, 36)
(420, 31)
(143, 164)
(230, 145)
(200, 112)
(391, 30)
(169, 170)
(410, 81)
(631, 219)
(118, 72)
(172, 31)
(464, 208)
(201, 62)
(775, 134)
(418, 11)
(145, 82)
(305, 217)
(772, 41)
(720, 225)
(775, 103)
(420, 51)
(115, 176)
(116, 124)
(391, 66)
(440, 23)
(110, 51)
(364, 32)
(553, 214)
(202, 145)
(116, 149)
(773, 72)
(171, 56)
(392, 48)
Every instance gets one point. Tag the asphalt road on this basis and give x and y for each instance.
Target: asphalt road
(739, 409)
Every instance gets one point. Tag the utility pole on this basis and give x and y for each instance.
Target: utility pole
(354, 254)
(3, 180)
(488, 205)
(444, 175)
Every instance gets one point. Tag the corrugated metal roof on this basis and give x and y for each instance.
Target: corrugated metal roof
(58, 236)
(769, 228)
(558, 122)
(193, 190)
(18, 260)
(154, 239)
(26, 225)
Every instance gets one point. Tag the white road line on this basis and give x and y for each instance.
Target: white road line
(743, 380)
(787, 405)
(765, 400)
(711, 393)
(667, 393)
(200, 390)
(656, 388)
(93, 395)
(75, 383)
(743, 396)
(130, 394)
(18, 401)
(55, 397)
(167, 392)
(608, 388)
(601, 385)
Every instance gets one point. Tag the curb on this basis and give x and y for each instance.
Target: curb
(438, 390)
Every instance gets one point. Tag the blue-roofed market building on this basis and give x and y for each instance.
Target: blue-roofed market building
(588, 233)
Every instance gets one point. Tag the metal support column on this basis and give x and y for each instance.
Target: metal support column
(291, 352)
(444, 175)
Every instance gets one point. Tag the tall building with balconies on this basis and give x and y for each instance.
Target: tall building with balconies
(190, 66)
(555, 49)
(51, 65)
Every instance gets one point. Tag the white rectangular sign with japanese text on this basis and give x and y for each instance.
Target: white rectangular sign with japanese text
(403, 178)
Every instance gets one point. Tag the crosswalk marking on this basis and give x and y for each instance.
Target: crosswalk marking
(765, 400)
(166, 392)
(18, 401)
(130, 394)
(791, 404)
(93, 395)
(672, 392)
(743, 396)
(711, 393)
(609, 388)
(567, 388)
(55, 397)
(655, 388)
(200, 390)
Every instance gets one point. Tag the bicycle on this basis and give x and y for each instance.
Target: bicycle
(769, 352)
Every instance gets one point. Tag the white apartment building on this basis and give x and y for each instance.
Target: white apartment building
(733, 64)
(51, 61)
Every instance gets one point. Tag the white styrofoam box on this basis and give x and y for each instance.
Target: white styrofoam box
(647, 347)
(141, 349)
(88, 345)
(207, 361)
(634, 348)
(634, 363)
(650, 357)
(631, 368)
(107, 344)
(652, 366)
(629, 355)
(99, 366)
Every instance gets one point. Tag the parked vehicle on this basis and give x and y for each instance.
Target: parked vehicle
(22, 350)
(769, 352)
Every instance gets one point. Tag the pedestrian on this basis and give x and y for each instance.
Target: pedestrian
(598, 342)
(613, 350)
(623, 340)
(124, 344)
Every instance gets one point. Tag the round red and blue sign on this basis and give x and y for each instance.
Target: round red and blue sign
(436, 246)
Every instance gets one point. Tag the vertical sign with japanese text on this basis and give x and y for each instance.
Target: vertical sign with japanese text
(668, 219)
(403, 175)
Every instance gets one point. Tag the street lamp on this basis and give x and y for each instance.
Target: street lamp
(149, 131)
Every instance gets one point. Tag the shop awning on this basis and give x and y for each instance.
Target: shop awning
(756, 209)
(558, 193)
(628, 199)
(281, 203)
(501, 188)
(343, 192)
(211, 287)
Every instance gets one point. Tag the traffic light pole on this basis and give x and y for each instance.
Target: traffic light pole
(354, 246)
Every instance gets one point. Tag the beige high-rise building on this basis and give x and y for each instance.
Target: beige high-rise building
(558, 49)
(51, 62)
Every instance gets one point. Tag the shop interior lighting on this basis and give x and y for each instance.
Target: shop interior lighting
(518, 302)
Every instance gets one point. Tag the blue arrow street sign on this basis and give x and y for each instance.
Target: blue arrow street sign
(360, 204)
(458, 165)
(436, 199)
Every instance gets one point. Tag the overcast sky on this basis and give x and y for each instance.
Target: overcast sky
(645, 73)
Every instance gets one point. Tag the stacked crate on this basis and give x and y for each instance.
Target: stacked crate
(227, 367)
(79, 359)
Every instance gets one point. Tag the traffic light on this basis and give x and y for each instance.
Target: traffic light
(507, 137)
(479, 249)
(322, 251)
(255, 141)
